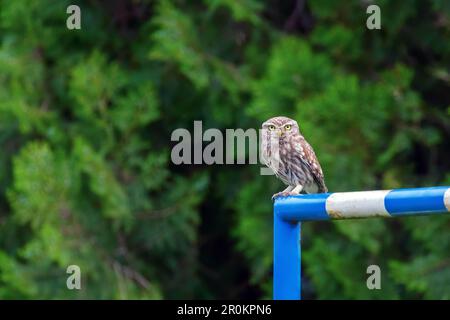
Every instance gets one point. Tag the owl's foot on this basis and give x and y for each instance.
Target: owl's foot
(279, 194)
(289, 191)
(284, 194)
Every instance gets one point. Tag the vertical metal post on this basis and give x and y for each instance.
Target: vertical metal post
(286, 259)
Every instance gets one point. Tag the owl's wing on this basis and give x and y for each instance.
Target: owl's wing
(308, 157)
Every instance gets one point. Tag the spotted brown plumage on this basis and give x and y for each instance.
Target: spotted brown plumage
(291, 157)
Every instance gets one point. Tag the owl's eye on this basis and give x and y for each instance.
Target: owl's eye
(288, 127)
(271, 127)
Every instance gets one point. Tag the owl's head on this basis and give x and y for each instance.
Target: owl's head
(279, 127)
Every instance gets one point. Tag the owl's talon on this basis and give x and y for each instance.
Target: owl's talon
(276, 195)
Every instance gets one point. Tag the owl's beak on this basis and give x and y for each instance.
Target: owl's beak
(279, 133)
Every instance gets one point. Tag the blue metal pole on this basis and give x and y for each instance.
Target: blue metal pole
(364, 204)
(290, 211)
(287, 259)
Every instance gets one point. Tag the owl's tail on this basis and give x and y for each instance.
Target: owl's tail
(322, 187)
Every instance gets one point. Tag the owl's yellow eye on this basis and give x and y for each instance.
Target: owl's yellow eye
(271, 127)
(288, 127)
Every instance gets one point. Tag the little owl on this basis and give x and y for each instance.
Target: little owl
(291, 158)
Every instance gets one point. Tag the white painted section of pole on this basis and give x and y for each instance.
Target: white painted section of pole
(359, 204)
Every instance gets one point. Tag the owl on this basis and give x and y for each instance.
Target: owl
(292, 159)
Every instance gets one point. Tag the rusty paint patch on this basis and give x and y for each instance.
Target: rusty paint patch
(335, 214)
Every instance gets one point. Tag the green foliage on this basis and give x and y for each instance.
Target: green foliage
(86, 118)
(176, 41)
(247, 10)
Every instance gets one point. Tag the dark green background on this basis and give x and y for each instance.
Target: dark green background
(85, 124)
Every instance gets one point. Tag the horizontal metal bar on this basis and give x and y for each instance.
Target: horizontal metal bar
(364, 204)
